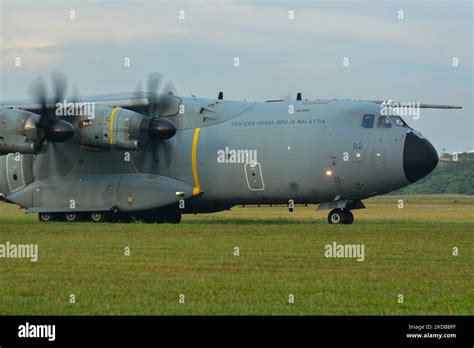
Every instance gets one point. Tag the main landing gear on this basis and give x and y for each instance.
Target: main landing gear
(340, 216)
(75, 217)
(172, 217)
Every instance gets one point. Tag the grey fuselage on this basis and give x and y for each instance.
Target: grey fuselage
(232, 152)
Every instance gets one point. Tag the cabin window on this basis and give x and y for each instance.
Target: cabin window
(384, 122)
(368, 121)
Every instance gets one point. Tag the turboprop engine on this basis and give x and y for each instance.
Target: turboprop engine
(25, 132)
(117, 128)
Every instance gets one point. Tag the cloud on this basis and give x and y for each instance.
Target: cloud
(410, 58)
(32, 24)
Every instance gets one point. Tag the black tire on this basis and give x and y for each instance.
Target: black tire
(71, 217)
(336, 217)
(349, 219)
(46, 217)
(97, 216)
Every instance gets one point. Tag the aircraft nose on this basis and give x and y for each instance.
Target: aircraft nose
(419, 157)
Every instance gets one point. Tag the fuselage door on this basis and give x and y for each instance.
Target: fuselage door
(253, 174)
(14, 169)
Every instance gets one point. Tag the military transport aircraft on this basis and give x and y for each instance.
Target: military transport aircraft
(153, 156)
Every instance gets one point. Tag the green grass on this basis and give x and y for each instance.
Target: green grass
(407, 251)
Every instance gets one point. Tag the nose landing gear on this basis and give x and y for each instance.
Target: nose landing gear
(340, 216)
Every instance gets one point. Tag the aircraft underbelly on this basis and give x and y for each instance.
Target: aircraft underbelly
(124, 192)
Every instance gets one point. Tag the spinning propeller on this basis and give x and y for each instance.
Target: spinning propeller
(158, 127)
(49, 126)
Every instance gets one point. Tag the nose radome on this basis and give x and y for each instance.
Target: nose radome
(419, 157)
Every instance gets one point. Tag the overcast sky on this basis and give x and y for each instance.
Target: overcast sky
(407, 59)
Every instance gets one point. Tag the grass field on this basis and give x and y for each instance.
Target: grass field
(408, 251)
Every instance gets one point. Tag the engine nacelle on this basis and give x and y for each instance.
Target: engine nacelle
(112, 128)
(18, 131)
(121, 129)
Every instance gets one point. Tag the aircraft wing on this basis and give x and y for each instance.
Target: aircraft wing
(129, 100)
(116, 99)
(439, 106)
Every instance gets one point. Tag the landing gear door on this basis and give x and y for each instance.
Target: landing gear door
(378, 160)
(253, 174)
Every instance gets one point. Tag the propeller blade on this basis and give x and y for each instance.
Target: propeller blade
(157, 127)
(76, 95)
(154, 82)
(158, 101)
(59, 85)
(137, 94)
(49, 126)
(166, 98)
(38, 91)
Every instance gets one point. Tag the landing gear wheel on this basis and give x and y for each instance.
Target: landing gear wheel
(336, 217)
(340, 216)
(71, 217)
(45, 217)
(349, 217)
(97, 216)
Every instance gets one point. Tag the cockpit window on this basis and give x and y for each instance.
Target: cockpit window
(384, 122)
(368, 121)
(399, 121)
